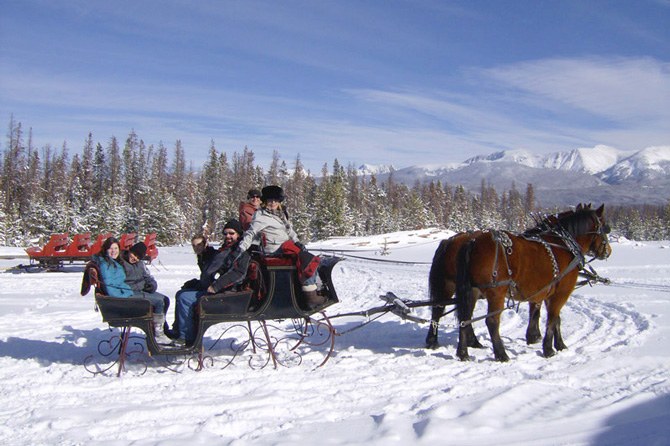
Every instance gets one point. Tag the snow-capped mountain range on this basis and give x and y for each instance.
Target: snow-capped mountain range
(597, 174)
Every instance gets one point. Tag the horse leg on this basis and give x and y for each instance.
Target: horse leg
(472, 338)
(462, 348)
(547, 349)
(469, 330)
(466, 334)
(558, 338)
(552, 336)
(493, 324)
(533, 335)
(431, 339)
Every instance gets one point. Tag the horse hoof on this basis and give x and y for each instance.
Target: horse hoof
(432, 345)
(549, 353)
(463, 357)
(533, 339)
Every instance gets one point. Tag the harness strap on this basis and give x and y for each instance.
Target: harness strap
(502, 239)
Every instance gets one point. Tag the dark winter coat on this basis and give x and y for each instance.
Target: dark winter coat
(206, 257)
(208, 263)
(138, 277)
(233, 270)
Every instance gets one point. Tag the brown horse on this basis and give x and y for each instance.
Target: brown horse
(442, 281)
(537, 268)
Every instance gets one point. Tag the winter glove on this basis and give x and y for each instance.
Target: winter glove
(191, 284)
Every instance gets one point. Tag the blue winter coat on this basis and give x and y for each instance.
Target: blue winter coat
(113, 276)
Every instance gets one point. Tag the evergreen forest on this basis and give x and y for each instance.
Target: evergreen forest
(125, 186)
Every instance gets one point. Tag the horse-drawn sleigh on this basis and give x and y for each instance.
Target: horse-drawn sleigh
(541, 265)
(270, 292)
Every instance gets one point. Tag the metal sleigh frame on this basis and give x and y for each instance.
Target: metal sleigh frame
(273, 293)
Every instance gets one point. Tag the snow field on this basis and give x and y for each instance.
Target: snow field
(380, 386)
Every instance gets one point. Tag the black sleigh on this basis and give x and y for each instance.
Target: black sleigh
(271, 293)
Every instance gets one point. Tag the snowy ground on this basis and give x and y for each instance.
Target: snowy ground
(381, 387)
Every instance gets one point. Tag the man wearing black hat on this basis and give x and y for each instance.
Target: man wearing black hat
(222, 274)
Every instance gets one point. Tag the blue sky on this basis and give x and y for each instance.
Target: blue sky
(379, 82)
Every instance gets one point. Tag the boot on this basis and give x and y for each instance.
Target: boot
(159, 321)
(312, 298)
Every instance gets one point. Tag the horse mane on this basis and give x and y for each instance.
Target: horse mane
(578, 223)
(541, 225)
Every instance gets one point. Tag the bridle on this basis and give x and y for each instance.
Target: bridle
(602, 229)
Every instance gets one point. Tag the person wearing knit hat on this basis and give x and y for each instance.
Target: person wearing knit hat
(144, 285)
(249, 207)
(253, 193)
(139, 250)
(222, 274)
(235, 226)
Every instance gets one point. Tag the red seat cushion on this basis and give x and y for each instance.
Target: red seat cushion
(278, 261)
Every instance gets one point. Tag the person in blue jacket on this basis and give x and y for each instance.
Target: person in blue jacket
(113, 276)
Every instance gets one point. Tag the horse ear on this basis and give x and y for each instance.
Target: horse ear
(600, 210)
(579, 207)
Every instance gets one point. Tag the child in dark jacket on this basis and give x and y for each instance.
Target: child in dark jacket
(144, 285)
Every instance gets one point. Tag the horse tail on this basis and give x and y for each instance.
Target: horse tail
(436, 279)
(465, 301)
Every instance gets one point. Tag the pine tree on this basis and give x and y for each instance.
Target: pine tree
(212, 192)
(114, 163)
(297, 202)
(461, 218)
(86, 175)
(273, 173)
(100, 174)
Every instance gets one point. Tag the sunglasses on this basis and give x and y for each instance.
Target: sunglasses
(254, 196)
(229, 233)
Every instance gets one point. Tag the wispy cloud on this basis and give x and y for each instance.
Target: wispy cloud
(624, 90)
(367, 125)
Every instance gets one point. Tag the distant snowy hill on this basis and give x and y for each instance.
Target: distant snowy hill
(368, 170)
(597, 174)
(647, 165)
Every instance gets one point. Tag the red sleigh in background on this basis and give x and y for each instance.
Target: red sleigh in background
(59, 250)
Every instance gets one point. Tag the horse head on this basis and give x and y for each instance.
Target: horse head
(600, 245)
(589, 227)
